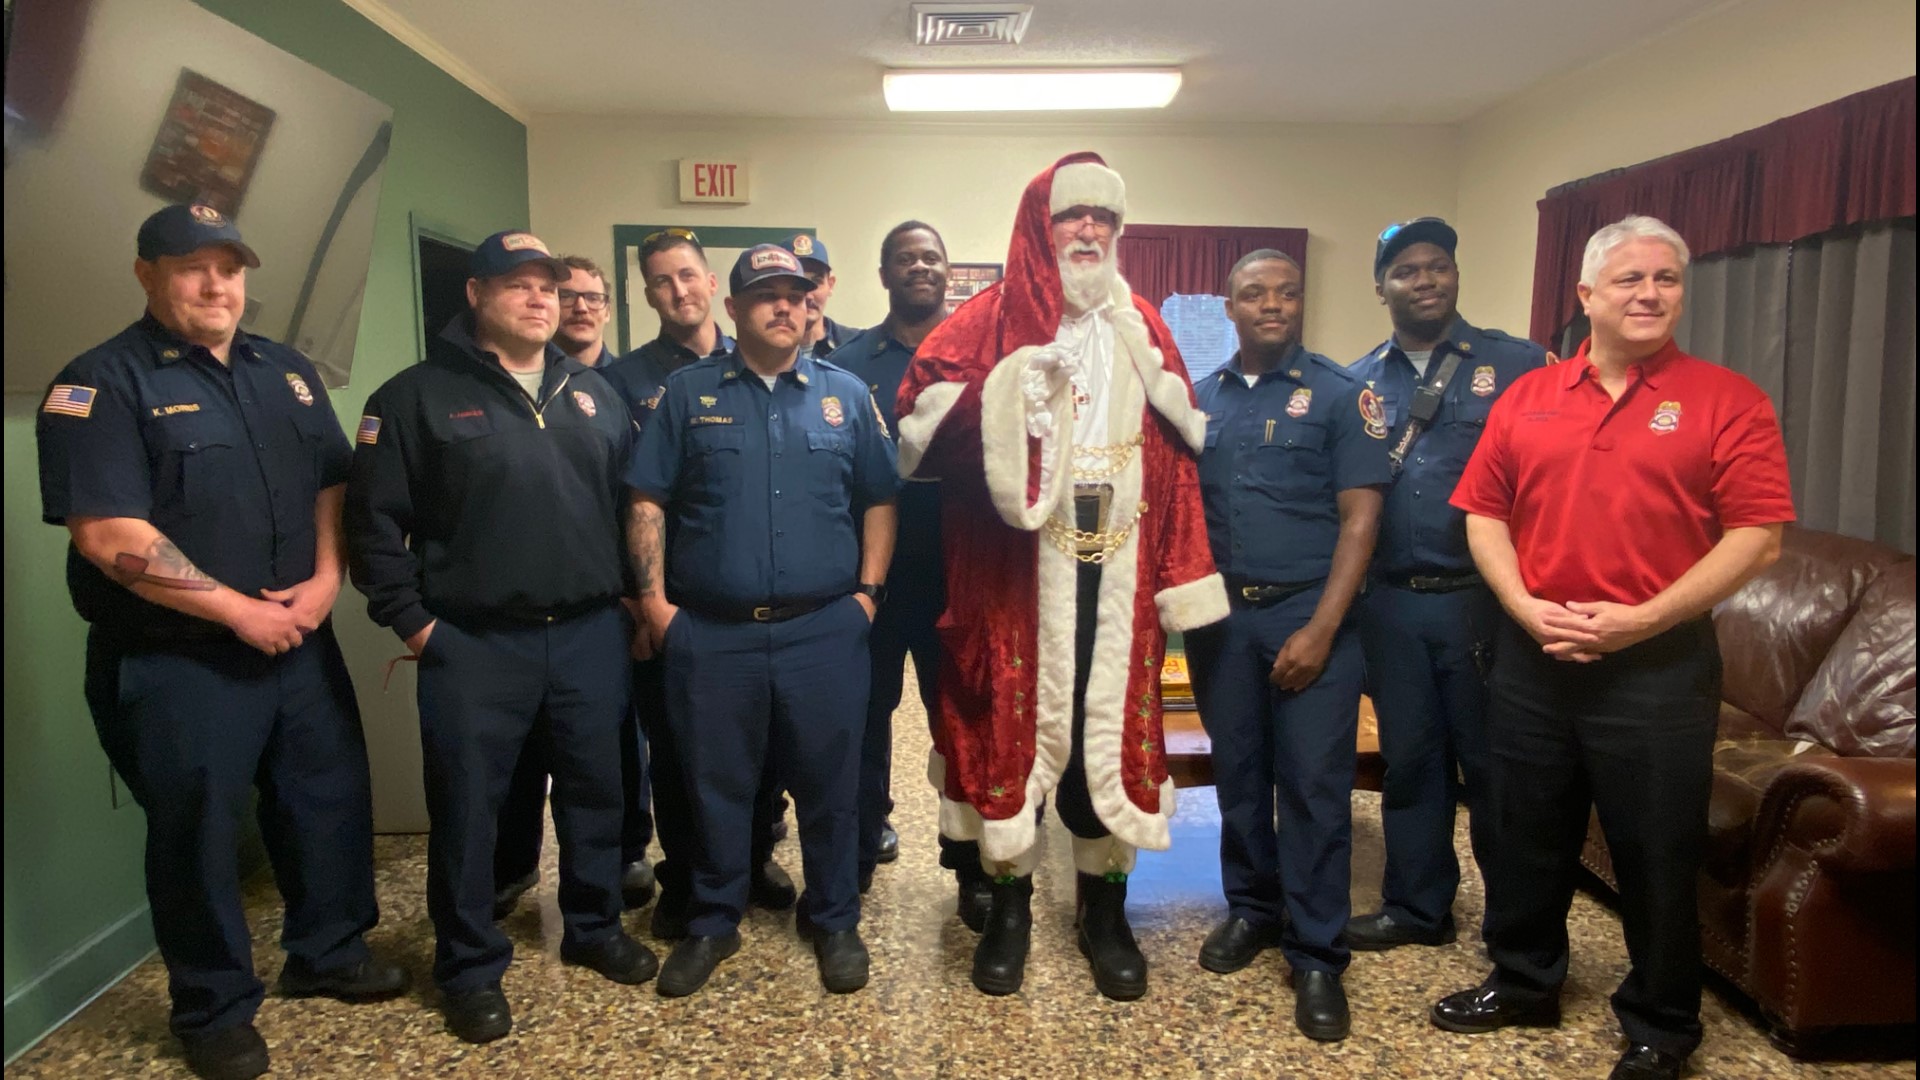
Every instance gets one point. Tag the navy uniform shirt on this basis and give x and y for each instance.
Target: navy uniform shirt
(760, 485)
(1278, 453)
(471, 500)
(1420, 533)
(836, 337)
(641, 376)
(226, 462)
(881, 362)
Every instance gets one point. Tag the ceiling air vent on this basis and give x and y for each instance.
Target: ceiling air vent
(970, 24)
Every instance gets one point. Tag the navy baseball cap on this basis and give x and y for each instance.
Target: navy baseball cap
(505, 252)
(1397, 238)
(810, 249)
(185, 229)
(764, 262)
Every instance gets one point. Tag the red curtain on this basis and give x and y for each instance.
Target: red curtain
(1843, 163)
(1160, 260)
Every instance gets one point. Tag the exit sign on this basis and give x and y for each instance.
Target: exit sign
(712, 180)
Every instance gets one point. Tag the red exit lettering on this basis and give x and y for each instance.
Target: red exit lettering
(714, 180)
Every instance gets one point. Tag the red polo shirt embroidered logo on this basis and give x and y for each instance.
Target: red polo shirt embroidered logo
(1299, 403)
(1666, 419)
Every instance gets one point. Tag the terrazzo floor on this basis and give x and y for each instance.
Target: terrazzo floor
(765, 1015)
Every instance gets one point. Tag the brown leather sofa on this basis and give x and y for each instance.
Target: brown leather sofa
(1807, 895)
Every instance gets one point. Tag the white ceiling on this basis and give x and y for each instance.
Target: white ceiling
(1272, 61)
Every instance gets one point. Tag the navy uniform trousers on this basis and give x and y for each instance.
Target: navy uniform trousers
(484, 691)
(740, 694)
(1293, 750)
(1427, 658)
(517, 854)
(1630, 735)
(193, 727)
(904, 627)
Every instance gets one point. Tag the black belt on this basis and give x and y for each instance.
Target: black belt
(768, 613)
(1433, 583)
(1260, 594)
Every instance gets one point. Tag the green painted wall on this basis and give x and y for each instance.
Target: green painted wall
(75, 900)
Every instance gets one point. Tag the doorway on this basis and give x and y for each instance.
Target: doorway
(440, 281)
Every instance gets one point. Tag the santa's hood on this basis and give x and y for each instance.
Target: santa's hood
(1032, 300)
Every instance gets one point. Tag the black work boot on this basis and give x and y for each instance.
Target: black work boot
(1000, 960)
(1119, 969)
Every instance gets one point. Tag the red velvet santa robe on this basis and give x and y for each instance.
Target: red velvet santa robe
(1002, 735)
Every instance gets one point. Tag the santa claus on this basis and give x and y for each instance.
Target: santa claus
(1056, 411)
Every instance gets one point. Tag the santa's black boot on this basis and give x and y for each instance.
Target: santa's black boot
(1119, 968)
(1000, 960)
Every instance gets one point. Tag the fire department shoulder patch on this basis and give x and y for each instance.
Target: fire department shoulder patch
(1373, 413)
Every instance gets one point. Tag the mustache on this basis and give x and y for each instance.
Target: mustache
(1082, 247)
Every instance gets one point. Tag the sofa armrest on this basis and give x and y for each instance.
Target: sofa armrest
(1850, 814)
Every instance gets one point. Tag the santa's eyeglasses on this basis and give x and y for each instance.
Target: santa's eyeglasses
(1102, 219)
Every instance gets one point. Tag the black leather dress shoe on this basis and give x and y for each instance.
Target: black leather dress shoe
(1380, 931)
(1646, 1063)
(478, 1016)
(843, 960)
(1233, 945)
(1487, 1008)
(368, 980)
(771, 888)
(235, 1053)
(692, 961)
(619, 958)
(1320, 1006)
(973, 902)
(889, 842)
(637, 885)
(507, 896)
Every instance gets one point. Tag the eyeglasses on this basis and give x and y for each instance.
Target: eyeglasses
(1391, 231)
(1102, 219)
(684, 234)
(594, 300)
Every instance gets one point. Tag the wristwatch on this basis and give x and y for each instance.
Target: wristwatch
(875, 593)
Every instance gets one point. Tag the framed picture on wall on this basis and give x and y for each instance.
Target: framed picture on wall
(965, 280)
(208, 145)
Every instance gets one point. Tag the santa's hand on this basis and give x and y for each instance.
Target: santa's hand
(1048, 370)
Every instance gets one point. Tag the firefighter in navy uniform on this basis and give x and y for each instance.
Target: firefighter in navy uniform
(823, 334)
(1428, 619)
(679, 287)
(913, 269)
(484, 526)
(1291, 475)
(760, 587)
(200, 470)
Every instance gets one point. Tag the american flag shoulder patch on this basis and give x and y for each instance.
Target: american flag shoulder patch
(369, 431)
(66, 399)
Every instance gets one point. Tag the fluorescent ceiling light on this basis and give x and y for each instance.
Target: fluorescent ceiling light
(1004, 90)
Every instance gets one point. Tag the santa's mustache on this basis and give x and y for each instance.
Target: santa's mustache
(1083, 247)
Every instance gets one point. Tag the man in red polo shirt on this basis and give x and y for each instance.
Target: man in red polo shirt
(1613, 500)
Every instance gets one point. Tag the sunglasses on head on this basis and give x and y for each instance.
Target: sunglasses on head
(659, 234)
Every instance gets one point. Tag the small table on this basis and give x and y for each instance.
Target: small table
(1190, 751)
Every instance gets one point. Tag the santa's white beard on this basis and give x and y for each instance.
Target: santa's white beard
(1086, 285)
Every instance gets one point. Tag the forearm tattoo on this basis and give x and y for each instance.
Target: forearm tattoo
(646, 543)
(163, 565)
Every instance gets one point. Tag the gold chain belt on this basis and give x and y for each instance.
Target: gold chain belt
(1090, 547)
(1113, 459)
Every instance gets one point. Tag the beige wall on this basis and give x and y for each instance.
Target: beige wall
(1737, 68)
(853, 182)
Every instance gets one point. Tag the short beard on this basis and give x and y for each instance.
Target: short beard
(1086, 287)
